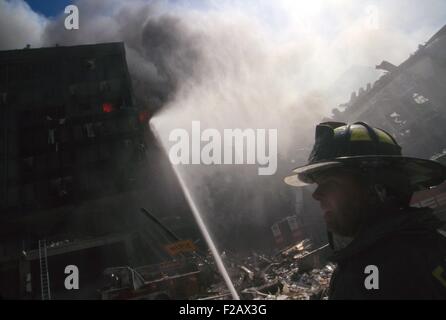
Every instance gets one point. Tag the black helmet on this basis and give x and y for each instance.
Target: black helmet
(361, 146)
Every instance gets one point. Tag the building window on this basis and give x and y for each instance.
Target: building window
(419, 99)
(89, 130)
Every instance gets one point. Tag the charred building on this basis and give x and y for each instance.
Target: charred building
(409, 101)
(77, 162)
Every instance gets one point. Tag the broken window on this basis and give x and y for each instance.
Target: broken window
(419, 99)
(51, 136)
(90, 64)
(104, 86)
(60, 188)
(397, 118)
(89, 132)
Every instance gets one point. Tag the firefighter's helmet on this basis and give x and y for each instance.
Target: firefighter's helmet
(360, 146)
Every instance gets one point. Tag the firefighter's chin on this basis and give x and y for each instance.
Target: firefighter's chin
(335, 226)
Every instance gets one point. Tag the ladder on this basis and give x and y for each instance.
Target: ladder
(44, 276)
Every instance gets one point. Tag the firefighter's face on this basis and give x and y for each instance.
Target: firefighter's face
(342, 198)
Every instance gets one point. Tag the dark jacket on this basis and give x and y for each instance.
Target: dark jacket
(408, 251)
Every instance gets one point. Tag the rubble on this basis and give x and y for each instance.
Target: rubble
(295, 273)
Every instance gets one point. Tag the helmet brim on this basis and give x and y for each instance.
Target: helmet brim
(302, 175)
(422, 173)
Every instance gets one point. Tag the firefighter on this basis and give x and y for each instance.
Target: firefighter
(383, 247)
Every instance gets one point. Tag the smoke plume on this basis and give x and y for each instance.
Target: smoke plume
(261, 64)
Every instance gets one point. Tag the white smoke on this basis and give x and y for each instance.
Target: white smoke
(19, 25)
(241, 64)
(275, 64)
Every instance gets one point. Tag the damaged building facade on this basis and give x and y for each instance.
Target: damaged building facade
(409, 101)
(76, 165)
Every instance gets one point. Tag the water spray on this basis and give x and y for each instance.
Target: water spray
(196, 213)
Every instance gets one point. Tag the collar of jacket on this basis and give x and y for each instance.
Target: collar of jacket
(408, 221)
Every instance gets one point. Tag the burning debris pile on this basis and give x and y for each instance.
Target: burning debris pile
(296, 273)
